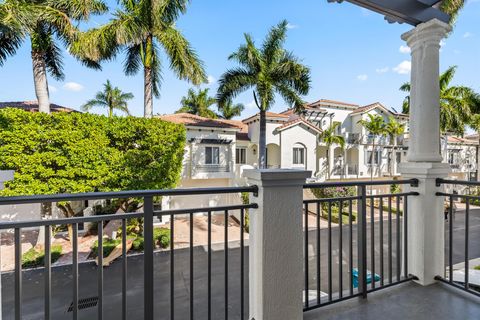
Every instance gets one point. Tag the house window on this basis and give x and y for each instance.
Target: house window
(453, 157)
(298, 156)
(241, 156)
(212, 155)
(376, 158)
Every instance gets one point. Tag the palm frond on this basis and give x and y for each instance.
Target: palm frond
(132, 62)
(53, 59)
(233, 82)
(184, 61)
(273, 45)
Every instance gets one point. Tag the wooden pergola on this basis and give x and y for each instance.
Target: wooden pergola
(413, 12)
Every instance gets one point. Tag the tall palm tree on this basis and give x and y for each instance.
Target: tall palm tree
(375, 126)
(268, 70)
(329, 137)
(455, 103)
(111, 98)
(45, 22)
(198, 103)
(139, 29)
(394, 129)
(229, 110)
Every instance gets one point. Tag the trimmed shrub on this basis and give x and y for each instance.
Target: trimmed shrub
(162, 237)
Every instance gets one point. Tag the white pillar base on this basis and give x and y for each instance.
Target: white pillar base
(426, 221)
(276, 255)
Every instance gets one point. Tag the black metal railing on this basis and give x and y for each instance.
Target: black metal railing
(458, 237)
(120, 300)
(357, 246)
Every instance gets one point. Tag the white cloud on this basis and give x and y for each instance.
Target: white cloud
(404, 67)
(443, 43)
(467, 35)
(457, 51)
(73, 86)
(211, 79)
(405, 49)
(292, 26)
(362, 77)
(52, 89)
(365, 12)
(382, 70)
(251, 105)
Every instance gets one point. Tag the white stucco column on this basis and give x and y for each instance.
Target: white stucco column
(276, 255)
(426, 238)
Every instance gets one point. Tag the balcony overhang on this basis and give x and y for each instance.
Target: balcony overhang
(413, 12)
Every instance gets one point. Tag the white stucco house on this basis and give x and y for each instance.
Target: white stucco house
(219, 150)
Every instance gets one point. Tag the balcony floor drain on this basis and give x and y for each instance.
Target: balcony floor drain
(85, 303)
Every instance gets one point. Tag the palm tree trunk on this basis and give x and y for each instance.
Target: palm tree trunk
(110, 111)
(393, 162)
(148, 81)
(40, 81)
(328, 162)
(478, 157)
(262, 140)
(148, 96)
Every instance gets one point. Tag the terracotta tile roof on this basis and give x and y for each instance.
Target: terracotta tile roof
(459, 140)
(32, 106)
(269, 115)
(296, 122)
(370, 107)
(188, 119)
(332, 103)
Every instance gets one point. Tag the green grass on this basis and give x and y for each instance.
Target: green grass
(108, 246)
(335, 219)
(477, 268)
(36, 258)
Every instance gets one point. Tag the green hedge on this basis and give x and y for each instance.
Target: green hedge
(82, 152)
(36, 258)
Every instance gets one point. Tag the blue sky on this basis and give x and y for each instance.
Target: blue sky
(354, 55)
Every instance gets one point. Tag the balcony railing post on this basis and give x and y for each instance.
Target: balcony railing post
(276, 242)
(362, 239)
(148, 258)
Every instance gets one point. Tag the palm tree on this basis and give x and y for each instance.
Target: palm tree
(394, 129)
(140, 28)
(453, 8)
(268, 70)
(455, 103)
(111, 98)
(329, 137)
(44, 22)
(375, 125)
(198, 103)
(229, 110)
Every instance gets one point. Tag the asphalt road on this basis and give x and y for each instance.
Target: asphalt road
(62, 277)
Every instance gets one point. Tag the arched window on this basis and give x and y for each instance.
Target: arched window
(299, 154)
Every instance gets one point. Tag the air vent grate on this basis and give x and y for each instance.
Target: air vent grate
(85, 303)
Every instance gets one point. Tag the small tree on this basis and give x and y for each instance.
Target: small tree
(198, 103)
(111, 98)
(330, 138)
(375, 126)
(394, 129)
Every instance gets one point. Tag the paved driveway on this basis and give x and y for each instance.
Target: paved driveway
(62, 279)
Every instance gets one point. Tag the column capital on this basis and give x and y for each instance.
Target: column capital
(430, 31)
(277, 177)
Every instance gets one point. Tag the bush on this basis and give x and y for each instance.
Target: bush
(138, 244)
(336, 192)
(477, 268)
(162, 237)
(82, 152)
(36, 258)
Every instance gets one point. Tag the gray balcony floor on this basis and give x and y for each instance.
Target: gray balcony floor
(406, 301)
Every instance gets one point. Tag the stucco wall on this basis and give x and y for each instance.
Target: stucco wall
(292, 136)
